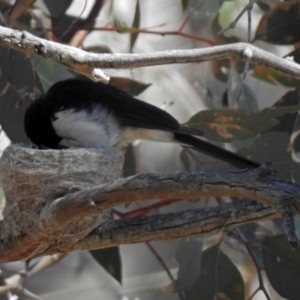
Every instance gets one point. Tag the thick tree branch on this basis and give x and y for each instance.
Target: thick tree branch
(159, 227)
(85, 62)
(248, 184)
(37, 222)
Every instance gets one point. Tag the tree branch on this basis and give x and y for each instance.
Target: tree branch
(246, 184)
(48, 224)
(85, 62)
(173, 225)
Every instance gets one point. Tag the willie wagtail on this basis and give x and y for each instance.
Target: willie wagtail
(97, 115)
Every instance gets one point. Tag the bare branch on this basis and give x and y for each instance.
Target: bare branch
(15, 282)
(84, 62)
(207, 220)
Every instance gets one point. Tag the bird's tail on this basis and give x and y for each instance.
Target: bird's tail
(216, 152)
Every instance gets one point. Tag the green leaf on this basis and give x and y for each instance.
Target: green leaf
(272, 146)
(188, 255)
(287, 121)
(135, 24)
(185, 160)
(289, 98)
(122, 28)
(50, 72)
(98, 49)
(184, 4)
(263, 6)
(275, 112)
(63, 24)
(221, 67)
(110, 260)
(282, 266)
(247, 100)
(204, 9)
(219, 278)
(19, 84)
(130, 161)
(129, 85)
(226, 125)
(54, 9)
(19, 8)
(275, 77)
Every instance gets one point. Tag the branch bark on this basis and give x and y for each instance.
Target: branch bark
(86, 63)
(78, 221)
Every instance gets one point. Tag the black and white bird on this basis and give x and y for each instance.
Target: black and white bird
(96, 115)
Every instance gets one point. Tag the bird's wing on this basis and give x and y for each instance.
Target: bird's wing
(78, 94)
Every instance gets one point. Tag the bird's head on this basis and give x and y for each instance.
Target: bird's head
(38, 126)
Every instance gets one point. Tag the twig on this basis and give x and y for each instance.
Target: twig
(177, 32)
(258, 270)
(249, 8)
(14, 282)
(235, 21)
(164, 266)
(80, 35)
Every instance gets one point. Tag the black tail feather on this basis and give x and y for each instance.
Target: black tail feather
(216, 152)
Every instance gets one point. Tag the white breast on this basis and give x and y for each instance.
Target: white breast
(98, 129)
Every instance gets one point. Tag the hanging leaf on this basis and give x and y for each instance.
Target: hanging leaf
(247, 100)
(135, 24)
(129, 85)
(282, 266)
(219, 278)
(221, 67)
(287, 121)
(204, 9)
(130, 162)
(188, 255)
(275, 77)
(98, 49)
(110, 260)
(291, 98)
(19, 8)
(281, 25)
(50, 71)
(17, 89)
(54, 9)
(272, 146)
(62, 24)
(184, 4)
(263, 6)
(227, 125)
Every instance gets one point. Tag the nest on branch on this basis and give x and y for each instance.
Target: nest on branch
(32, 178)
